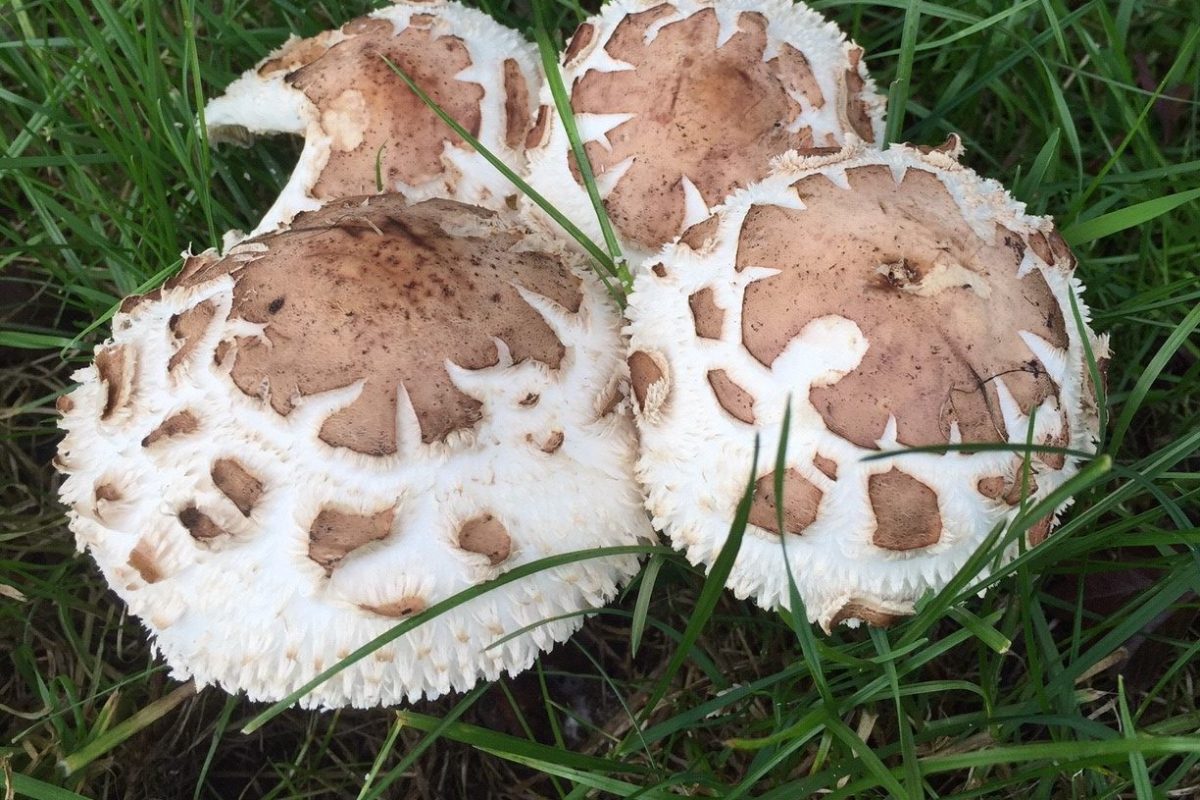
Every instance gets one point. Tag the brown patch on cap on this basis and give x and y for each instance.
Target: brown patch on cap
(733, 398)
(935, 344)
(947, 147)
(992, 486)
(714, 115)
(107, 491)
(486, 536)
(796, 74)
(700, 234)
(906, 511)
(1041, 247)
(1038, 532)
(335, 534)
(579, 40)
(608, 400)
(180, 424)
(385, 113)
(707, 314)
(659, 270)
(856, 110)
(643, 373)
(553, 442)
(801, 502)
(200, 525)
(116, 370)
(998, 487)
(296, 54)
(142, 559)
(865, 611)
(516, 104)
(382, 293)
(1063, 257)
(404, 607)
(541, 125)
(64, 404)
(128, 304)
(356, 27)
(236, 483)
(827, 466)
(187, 328)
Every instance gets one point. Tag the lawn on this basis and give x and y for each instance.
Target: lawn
(1074, 676)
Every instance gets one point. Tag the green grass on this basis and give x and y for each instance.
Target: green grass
(1073, 677)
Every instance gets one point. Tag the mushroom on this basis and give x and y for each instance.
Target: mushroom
(680, 103)
(359, 120)
(287, 450)
(896, 300)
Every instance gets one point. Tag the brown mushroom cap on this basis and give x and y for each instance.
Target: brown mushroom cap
(673, 98)
(379, 291)
(894, 300)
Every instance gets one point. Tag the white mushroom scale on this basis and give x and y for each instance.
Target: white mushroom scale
(286, 450)
(898, 300)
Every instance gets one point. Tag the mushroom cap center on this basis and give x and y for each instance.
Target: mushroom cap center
(385, 293)
(941, 309)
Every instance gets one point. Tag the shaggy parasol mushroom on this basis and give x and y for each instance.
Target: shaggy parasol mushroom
(679, 103)
(361, 122)
(899, 300)
(287, 450)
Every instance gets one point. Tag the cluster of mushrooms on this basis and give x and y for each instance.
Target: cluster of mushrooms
(377, 400)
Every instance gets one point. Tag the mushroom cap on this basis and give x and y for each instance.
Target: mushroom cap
(898, 300)
(680, 103)
(286, 450)
(360, 120)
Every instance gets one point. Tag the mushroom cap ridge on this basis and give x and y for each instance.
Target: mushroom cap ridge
(859, 284)
(336, 91)
(258, 553)
(679, 103)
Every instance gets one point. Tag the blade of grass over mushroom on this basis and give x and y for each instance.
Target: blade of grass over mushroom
(796, 613)
(975, 447)
(562, 104)
(607, 268)
(515, 574)
(714, 585)
(1087, 477)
